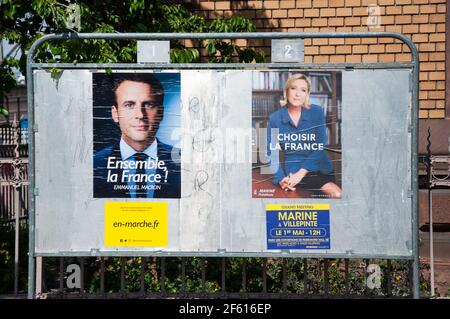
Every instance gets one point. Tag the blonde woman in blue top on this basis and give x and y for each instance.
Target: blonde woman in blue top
(298, 129)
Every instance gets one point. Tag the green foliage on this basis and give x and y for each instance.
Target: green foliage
(24, 22)
(152, 275)
(132, 275)
(184, 55)
(295, 279)
(7, 235)
(8, 81)
(178, 19)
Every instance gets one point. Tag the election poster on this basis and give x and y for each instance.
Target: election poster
(298, 226)
(133, 117)
(296, 120)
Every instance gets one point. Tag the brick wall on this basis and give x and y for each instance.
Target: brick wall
(422, 20)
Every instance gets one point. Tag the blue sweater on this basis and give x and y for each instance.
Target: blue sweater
(303, 145)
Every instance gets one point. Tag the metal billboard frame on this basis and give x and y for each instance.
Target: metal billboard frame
(413, 128)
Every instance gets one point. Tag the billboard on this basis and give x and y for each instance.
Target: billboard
(270, 162)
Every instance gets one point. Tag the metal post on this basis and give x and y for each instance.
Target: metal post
(38, 282)
(284, 275)
(183, 274)
(102, 276)
(264, 275)
(388, 278)
(430, 212)
(122, 276)
(61, 275)
(31, 192)
(82, 277)
(415, 167)
(163, 275)
(347, 277)
(143, 265)
(16, 241)
(203, 262)
(223, 288)
(305, 276)
(430, 209)
(16, 185)
(326, 278)
(244, 275)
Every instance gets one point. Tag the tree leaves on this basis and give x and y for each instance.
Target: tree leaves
(25, 21)
(185, 55)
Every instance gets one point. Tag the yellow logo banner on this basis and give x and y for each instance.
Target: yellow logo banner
(136, 224)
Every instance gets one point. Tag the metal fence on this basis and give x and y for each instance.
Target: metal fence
(13, 172)
(13, 199)
(191, 277)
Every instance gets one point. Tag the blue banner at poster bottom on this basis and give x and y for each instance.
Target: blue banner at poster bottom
(298, 228)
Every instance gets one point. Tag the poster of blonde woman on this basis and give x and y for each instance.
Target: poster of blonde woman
(296, 143)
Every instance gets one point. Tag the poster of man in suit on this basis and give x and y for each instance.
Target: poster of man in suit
(134, 117)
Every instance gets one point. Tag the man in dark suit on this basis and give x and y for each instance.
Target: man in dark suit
(139, 165)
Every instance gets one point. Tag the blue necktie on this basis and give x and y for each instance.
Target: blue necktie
(141, 190)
